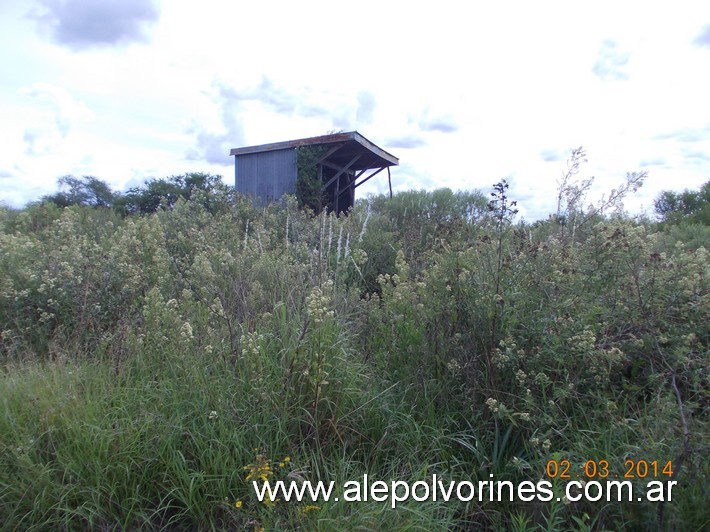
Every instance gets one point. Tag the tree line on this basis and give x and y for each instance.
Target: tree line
(671, 208)
(146, 199)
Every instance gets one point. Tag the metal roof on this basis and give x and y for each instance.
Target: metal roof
(350, 150)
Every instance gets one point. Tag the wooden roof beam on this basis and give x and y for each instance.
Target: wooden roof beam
(330, 152)
(341, 171)
(373, 174)
(333, 166)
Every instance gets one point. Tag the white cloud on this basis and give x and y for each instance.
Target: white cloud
(366, 104)
(702, 40)
(56, 112)
(610, 65)
(213, 147)
(553, 155)
(83, 24)
(444, 123)
(463, 94)
(406, 141)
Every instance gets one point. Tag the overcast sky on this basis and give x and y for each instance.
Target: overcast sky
(464, 93)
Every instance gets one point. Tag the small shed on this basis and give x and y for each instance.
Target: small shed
(334, 165)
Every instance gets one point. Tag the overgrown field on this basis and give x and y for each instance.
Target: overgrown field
(151, 364)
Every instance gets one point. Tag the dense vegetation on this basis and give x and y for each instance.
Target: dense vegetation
(309, 187)
(152, 362)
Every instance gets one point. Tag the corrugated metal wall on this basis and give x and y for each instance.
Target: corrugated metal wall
(266, 176)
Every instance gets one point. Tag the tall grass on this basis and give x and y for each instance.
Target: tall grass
(149, 364)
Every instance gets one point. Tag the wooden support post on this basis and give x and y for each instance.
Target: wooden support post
(351, 192)
(349, 188)
(337, 196)
(320, 180)
(389, 180)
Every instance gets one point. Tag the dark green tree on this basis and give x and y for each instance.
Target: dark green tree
(692, 206)
(165, 192)
(86, 190)
(308, 185)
